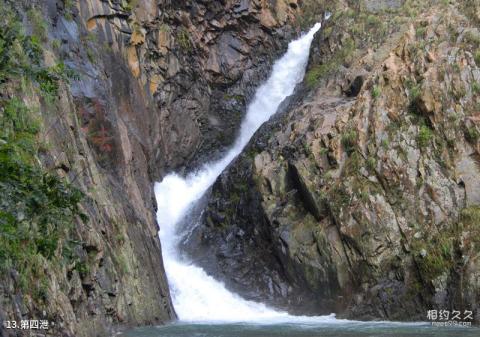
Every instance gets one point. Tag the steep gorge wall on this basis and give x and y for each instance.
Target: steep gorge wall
(199, 62)
(107, 269)
(361, 198)
(123, 92)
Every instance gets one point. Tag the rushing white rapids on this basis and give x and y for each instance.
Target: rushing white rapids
(197, 296)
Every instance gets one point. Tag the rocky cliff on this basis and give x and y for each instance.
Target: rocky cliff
(98, 100)
(362, 196)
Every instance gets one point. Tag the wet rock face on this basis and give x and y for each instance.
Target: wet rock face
(161, 85)
(363, 205)
(200, 61)
(265, 233)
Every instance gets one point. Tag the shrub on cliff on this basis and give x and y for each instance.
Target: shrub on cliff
(37, 207)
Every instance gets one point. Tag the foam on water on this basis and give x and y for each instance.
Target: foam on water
(198, 297)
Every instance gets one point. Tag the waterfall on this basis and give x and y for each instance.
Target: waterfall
(197, 296)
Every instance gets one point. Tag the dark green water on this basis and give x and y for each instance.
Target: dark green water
(350, 329)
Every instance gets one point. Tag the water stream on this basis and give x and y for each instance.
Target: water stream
(203, 305)
(197, 296)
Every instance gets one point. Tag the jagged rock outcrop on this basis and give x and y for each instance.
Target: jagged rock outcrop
(199, 61)
(362, 197)
(122, 91)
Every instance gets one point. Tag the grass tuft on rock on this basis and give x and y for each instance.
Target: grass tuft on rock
(477, 57)
(349, 139)
(424, 137)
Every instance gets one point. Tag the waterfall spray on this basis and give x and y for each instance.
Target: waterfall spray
(196, 295)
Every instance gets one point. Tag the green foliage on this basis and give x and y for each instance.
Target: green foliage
(68, 5)
(40, 292)
(313, 75)
(470, 222)
(183, 39)
(414, 91)
(471, 8)
(129, 5)
(237, 98)
(471, 215)
(37, 208)
(385, 144)
(40, 206)
(424, 136)
(420, 32)
(39, 25)
(50, 78)
(353, 163)
(472, 135)
(477, 57)
(90, 55)
(376, 91)
(338, 198)
(122, 263)
(472, 38)
(476, 88)
(17, 121)
(410, 8)
(434, 254)
(56, 44)
(327, 31)
(323, 151)
(373, 21)
(371, 164)
(435, 251)
(21, 56)
(359, 30)
(90, 37)
(437, 257)
(349, 140)
(165, 28)
(317, 72)
(83, 268)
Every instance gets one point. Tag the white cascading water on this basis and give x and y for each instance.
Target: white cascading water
(197, 296)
